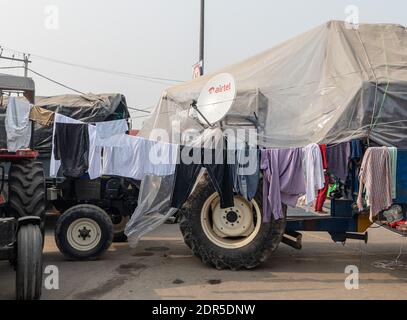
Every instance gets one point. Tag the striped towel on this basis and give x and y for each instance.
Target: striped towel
(375, 178)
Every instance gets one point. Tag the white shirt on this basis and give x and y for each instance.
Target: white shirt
(18, 124)
(135, 157)
(108, 129)
(314, 172)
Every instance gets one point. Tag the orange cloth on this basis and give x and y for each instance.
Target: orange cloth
(42, 116)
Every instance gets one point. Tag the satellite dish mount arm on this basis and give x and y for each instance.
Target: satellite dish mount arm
(193, 105)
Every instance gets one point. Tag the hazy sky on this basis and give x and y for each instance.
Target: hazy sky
(159, 38)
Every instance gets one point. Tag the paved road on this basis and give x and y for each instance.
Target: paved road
(162, 267)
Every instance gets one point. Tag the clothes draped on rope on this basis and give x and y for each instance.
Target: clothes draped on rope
(319, 203)
(71, 147)
(314, 172)
(246, 171)
(135, 157)
(283, 180)
(18, 125)
(338, 158)
(191, 161)
(393, 163)
(42, 116)
(375, 178)
(94, 154)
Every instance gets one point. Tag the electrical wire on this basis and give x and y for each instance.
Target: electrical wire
(160, 80)
(56, 82)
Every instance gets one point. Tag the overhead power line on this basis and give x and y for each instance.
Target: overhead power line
(56, 82)
(161, 80)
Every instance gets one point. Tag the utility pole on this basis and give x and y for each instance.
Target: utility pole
(26, 60)
(202, 36)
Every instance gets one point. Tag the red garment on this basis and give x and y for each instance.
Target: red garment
(397, 223)
(319, 203)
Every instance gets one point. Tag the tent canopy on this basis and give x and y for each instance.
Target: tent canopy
(327, 85)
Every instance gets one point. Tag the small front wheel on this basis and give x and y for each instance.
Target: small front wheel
(29, 262)
(83, 232)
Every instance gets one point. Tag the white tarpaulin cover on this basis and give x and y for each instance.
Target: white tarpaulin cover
(328, 85)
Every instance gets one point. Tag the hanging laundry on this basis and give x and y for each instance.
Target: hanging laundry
(393, 163)
(283, 180)
(136, 157)
(42, 116)
(108, 129)
(95, 155)
(98, 136)
(18, 125)
(338, 158)
(356, 149)
(246, 171)
(314, 172)
(375, 178)
(71, 147)
(186, 173)
(94, 160)
(319, 203)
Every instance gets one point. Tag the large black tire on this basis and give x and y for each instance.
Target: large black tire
(247, 257)
(27, 193)
(29, 262)
(92, 220)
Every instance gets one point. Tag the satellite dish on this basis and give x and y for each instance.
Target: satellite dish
(216, 98)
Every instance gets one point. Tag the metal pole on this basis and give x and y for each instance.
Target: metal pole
(25, 65)
(202, 35)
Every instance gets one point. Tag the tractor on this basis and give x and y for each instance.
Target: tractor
(22, 202)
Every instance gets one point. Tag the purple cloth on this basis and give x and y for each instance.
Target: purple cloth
(283, 180)
(338, 157)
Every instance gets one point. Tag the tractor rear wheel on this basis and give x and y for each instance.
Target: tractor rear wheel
(26, 184)
(233, 238)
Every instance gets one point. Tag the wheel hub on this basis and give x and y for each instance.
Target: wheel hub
(231, 216)
(233, 222)
(84, 234)
(230, 228)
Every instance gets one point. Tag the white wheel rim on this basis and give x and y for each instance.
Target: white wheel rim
(231, 228)
(84, 234)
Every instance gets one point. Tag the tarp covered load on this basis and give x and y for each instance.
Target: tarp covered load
(86, 108)
(328, 85)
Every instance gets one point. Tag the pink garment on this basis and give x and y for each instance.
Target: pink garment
(375, 178)
(283, 180)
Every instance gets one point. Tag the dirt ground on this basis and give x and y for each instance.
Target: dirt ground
(162, 267)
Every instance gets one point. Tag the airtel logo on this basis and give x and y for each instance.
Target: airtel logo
(219, 89)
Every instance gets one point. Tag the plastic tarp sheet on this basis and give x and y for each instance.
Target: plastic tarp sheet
(86, 108)
(328, 85)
